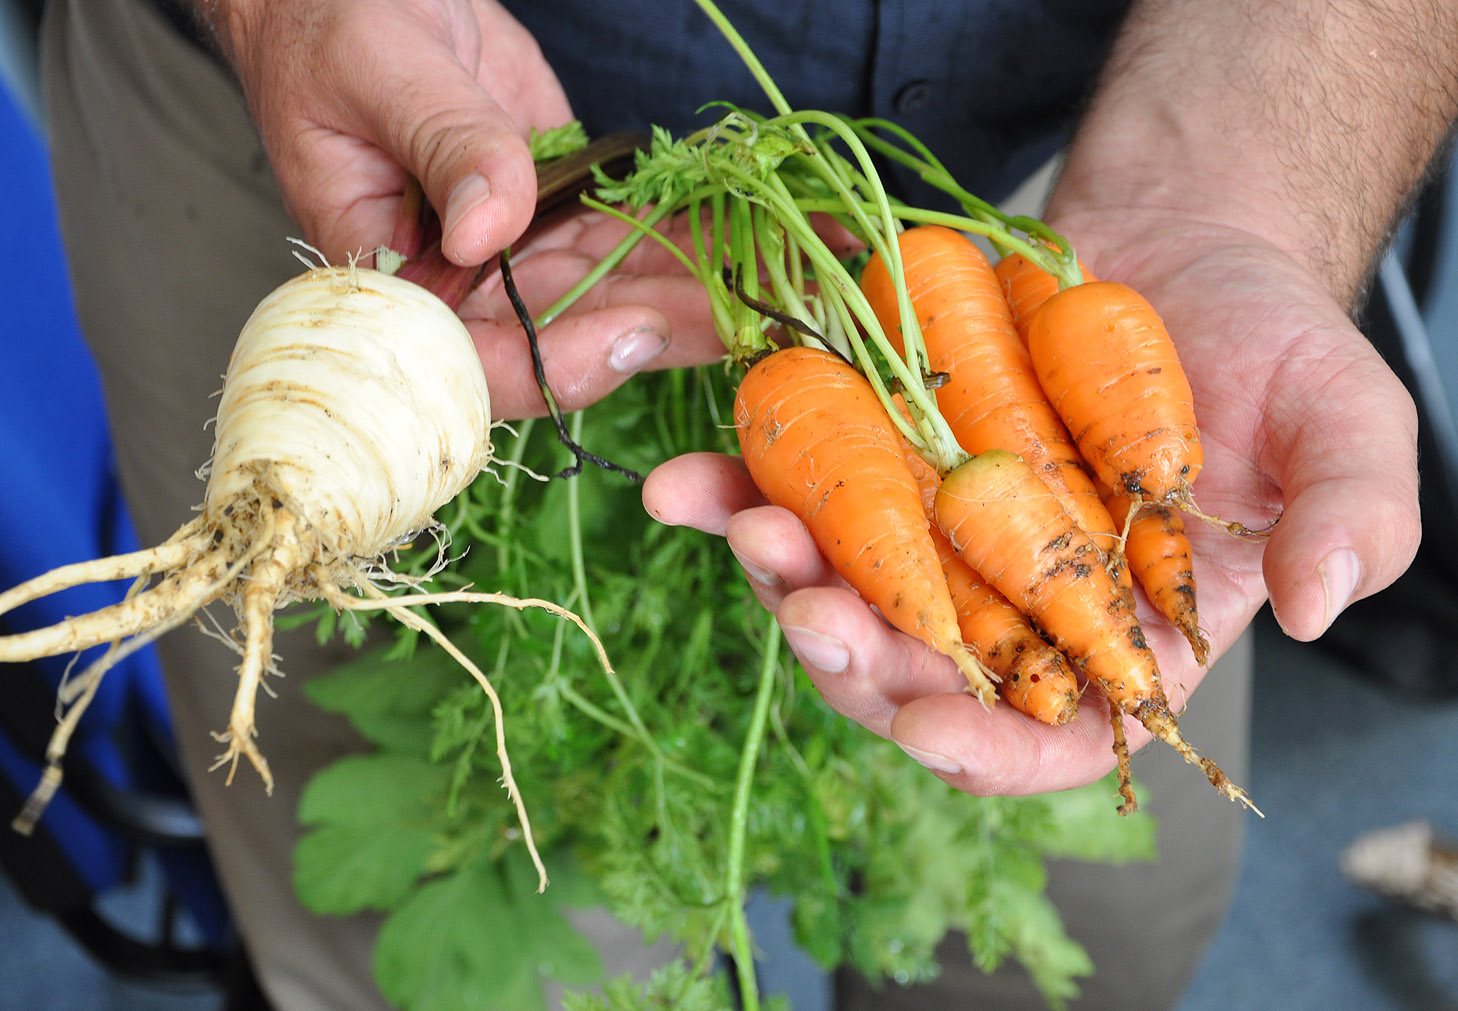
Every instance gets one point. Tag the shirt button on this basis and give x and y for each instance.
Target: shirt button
(913, 97)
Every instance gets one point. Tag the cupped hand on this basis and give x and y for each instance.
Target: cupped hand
(1299, 416)
(1300, 420)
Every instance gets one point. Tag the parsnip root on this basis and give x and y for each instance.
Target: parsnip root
(354, 406)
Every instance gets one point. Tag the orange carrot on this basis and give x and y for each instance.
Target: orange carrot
(1034, 677)
(1002, 522)
(1155, 547)
(818, 442)
(1159, 556)
(1026, 286)
(991, 398)
(1108, 365)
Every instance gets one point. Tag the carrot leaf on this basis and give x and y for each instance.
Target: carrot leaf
(350, 863)
(475, 919)
(557, 142)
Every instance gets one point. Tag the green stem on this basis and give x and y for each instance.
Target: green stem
(721, 306)
(1010, 242)
(887, 247)
(761, 76)
(608, 263)
(579, 584)
(574, 527)
(595, 712)
(506, 509)
(934, 436)
(748, 334)
(998, 225)
(734, 876)
(936, 439)
(882, 239)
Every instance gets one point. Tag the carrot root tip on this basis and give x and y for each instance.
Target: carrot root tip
(1186, 504)
(981, 680)
(1130, 803)
(1159, 721)
(1199, 645)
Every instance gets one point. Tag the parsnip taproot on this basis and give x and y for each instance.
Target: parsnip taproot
(353, 407)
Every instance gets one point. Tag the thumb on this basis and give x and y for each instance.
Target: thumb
(1350, 525)
(352, 96)
(472, 160)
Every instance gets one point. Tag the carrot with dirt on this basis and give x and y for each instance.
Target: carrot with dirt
(1109, 367)
(989, 394)
(1119, 662)
(813, 428)
(749, 185)
(1108, 364)
(1160, 559)
(1005, 524)
(1033, 676)
(818, 442)
(1156, 548)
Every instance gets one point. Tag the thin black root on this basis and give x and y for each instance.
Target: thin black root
(579, 454)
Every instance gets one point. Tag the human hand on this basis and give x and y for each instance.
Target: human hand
(647, 312)
(354, 98)
(1300, 418)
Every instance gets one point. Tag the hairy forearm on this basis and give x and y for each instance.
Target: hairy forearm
(1307, 122)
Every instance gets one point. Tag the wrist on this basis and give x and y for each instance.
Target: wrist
(1124, 209)
(1299, 125)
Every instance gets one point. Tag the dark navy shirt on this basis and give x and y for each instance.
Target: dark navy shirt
(991, 86)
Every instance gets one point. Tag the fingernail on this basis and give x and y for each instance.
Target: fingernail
(635, 349)
(469, 194)
(930, 759)
(1340, 572)
(757, 573)
(822, 652)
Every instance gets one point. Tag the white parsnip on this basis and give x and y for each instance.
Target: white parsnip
(353, 407)
(358, 399)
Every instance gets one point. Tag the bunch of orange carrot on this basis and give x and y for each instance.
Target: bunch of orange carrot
(1082, 426)
(991, 457)
(1021, 551)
